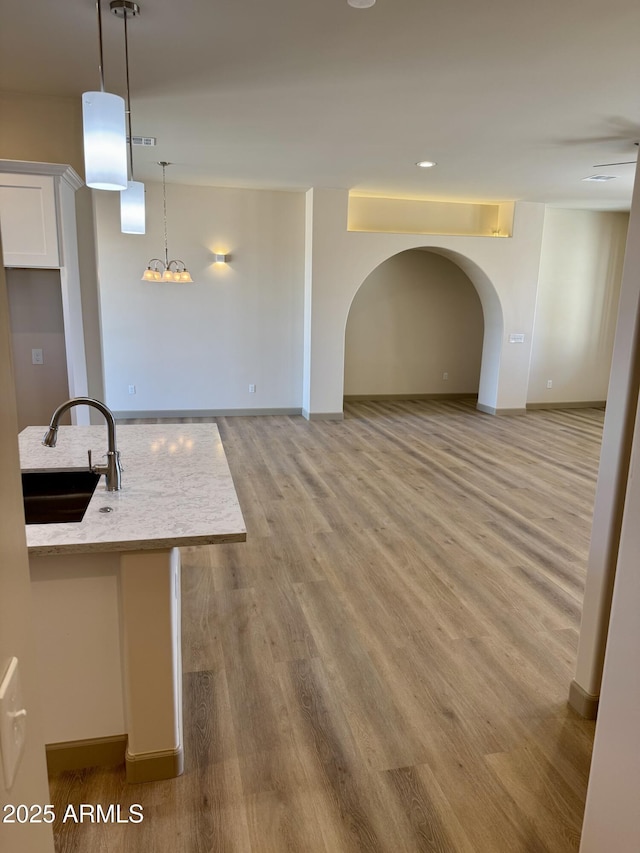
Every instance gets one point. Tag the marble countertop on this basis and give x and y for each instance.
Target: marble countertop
(176, 489)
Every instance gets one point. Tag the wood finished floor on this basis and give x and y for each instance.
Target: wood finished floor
(384, 664)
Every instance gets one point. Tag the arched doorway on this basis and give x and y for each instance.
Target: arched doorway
(415, 327)
(504, 273)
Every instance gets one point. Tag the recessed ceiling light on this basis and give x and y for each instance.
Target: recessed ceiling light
(600, 178)
(426, 164)
(361, 4)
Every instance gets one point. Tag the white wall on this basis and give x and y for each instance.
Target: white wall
(415, 317)
(504, 273)
(578, 291)
(622, 397)
(198, 347)
(16, 615)
(41, 128)
(293, 275)
(612, 816)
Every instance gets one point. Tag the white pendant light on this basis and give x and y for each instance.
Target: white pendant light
(105, 136)
(132, 209)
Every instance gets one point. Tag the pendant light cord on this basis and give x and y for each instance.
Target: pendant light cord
(101, 65)
(126, 65)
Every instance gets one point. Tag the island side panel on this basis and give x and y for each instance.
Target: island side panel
(150, 603)
(77, 624)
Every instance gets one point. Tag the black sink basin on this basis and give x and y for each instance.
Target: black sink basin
(54, 497)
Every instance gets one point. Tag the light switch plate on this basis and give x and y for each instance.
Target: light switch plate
(13, 723)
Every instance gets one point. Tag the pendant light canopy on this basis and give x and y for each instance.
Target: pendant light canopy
(166, 270)
(132, 209)
(104, 131)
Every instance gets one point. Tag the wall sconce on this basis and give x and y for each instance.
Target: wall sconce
(104, 133)
(221, 259)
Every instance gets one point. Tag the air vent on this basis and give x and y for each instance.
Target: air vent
(148, 141)
(600, 178)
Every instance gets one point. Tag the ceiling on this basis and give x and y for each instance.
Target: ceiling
(513, 100)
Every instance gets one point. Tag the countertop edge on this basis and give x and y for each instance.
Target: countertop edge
(135, 545)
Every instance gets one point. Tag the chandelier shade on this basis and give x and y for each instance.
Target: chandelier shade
(175, 271)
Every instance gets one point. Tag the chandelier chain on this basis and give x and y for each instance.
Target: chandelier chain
(164, 202)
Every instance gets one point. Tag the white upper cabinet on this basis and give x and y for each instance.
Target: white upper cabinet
(28, 221)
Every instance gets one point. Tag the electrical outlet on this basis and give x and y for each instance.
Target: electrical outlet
(549, 383)
(37, 356)
(132, 389)
(445, 375)
(252, 389)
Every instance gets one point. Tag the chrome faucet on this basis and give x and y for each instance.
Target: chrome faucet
(112, 470)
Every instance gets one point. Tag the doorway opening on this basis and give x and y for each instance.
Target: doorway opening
(415, 329)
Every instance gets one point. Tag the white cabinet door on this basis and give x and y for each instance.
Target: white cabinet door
(28, 221)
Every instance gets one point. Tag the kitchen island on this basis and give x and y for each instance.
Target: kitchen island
(106, 590)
